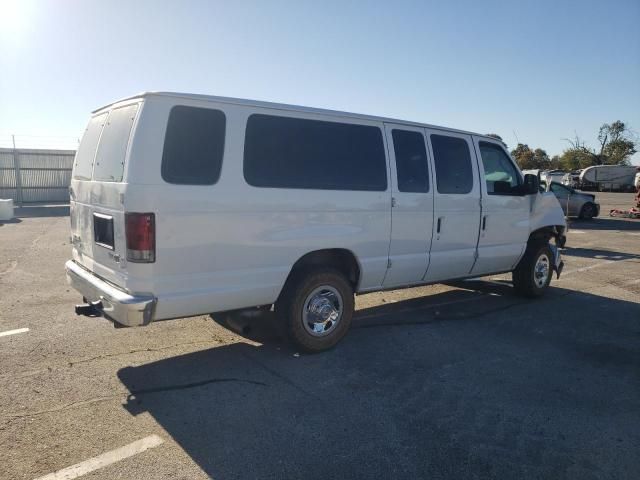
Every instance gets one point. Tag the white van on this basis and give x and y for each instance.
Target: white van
(186, 204)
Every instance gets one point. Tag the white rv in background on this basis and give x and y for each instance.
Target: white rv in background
(609, 177)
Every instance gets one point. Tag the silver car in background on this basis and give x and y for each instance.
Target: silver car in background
(575, 203)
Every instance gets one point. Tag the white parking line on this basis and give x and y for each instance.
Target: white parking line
(13, 332)
(105, 459)
(589, 267)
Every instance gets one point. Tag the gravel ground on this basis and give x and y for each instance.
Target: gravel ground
(463, 380)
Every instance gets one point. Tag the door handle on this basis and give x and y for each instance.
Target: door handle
(439, 224)
(484, 222)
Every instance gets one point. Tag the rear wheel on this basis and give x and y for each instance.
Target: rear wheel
(317, 308)
(533, 274)
(588, 211)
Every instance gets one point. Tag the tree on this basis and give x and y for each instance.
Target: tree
(528, 159)
(523, 156)
(617, 145)
(541, 159)
(576, 158)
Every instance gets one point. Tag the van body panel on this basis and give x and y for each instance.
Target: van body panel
(505, 220)
(103, 200)
(230, 245)
(454, 246)
(545, 212)
(412, 218)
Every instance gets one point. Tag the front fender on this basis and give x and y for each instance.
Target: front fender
(546, 212)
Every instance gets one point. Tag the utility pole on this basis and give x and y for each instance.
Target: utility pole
(16, 168)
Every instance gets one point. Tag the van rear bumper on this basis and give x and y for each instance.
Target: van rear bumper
(115, 304)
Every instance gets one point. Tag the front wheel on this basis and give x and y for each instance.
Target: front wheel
(317, 308)
(588, 211)
(533, 274)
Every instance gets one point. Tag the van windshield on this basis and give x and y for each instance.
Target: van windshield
(83, 164)
(112, 149)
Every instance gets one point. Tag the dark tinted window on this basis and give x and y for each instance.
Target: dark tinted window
(500, 174)
(287, 152)
(411, 161)
(193, 146)
(452, 159)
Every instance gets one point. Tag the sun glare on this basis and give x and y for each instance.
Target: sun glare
(16, 16)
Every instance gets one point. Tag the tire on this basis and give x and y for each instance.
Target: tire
(562, 241)
(588, 211)
(316, 308)
(526, 279)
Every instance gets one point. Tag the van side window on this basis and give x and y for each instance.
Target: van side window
(452, 160)
(193, 146)
(113, 144)
(284, 152)
(83, 164)
(499, 172)
(411, 161)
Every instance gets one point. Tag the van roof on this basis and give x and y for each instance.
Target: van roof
(283, 106)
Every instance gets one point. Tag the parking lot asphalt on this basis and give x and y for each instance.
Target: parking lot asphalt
(464, 380)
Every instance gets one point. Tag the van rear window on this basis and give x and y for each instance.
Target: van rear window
(83, 164)
(285, 152)
(193, 146)
(113, 144)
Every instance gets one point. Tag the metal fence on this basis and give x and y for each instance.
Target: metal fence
(35, 175)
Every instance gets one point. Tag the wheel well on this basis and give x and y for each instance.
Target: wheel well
(339, 258)
(545, 234)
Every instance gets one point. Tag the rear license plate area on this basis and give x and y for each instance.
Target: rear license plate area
(103, 230)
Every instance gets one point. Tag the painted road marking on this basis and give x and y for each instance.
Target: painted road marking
(576, 231)
(589, 267)
(82, 468)
(13, 332)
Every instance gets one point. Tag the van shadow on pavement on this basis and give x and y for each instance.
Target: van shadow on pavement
(492, 387)
(598, 254)
(604, 222)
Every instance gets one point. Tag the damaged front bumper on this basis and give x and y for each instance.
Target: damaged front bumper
(558, 264)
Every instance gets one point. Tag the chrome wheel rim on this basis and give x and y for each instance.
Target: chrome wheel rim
(322, 311)
(541, 270)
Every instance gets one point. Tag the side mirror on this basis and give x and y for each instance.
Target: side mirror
(531, 184)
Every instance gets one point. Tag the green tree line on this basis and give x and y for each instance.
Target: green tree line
(616, 145)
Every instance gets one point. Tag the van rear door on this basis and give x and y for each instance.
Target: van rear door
(97, 193)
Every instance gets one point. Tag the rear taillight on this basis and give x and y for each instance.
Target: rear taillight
(140, 229)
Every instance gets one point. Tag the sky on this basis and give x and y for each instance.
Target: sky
(535, 72)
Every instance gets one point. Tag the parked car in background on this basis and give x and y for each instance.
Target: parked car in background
(636, 182)
(574, 203)
(549, 176)
(572, 179)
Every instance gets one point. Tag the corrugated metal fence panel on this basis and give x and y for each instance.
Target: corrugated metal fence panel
(45, 175)
(7, 175)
